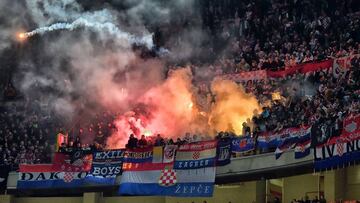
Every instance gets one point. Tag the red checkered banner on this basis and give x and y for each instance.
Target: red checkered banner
(167, 177)
(246, 76)
(342, 63)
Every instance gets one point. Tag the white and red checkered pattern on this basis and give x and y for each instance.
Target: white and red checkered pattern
(301, 148)
(246, 76)
(196, 155)
(167, 178)
(340, 148)
(68, 177)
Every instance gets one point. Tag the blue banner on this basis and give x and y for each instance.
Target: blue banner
(37, 180)
(194, 164)
(106, 166)
(138, 155)
(338, 152)
(178, 190)
(242, 144)
(161, 180)
(223, 152)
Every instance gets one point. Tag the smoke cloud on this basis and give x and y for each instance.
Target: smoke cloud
(80, 61)
(172, 109)
(232, 106)
(10, 22)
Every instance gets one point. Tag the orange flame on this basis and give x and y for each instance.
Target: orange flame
(173, 110)
(232, 107)
(276, 96)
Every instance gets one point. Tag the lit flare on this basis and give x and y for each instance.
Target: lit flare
(21, 36)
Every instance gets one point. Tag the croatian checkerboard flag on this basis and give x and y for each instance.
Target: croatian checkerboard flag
(161, 179)
(302, 149)
(192, 174)
(196, 155)
(39, 176)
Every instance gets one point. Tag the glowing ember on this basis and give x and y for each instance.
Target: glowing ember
(202, 113)
(276, 96)
(21, 36)
(147, 133)
(190, 105)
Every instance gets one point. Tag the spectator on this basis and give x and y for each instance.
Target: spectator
(159, 141)
(315, 200)
(246, 129)
(322, 199)
(132, 143)
(142, 142)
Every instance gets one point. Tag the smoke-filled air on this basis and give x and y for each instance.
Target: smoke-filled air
(80, 60)
(171, 109)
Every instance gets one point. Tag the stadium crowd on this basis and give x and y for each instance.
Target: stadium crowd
(25, 136)
(278, 34)
(247, 35)
(306, 199)
(308, 99)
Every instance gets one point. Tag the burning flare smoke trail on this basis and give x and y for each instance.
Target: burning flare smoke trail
(110, 27)
(135, 89)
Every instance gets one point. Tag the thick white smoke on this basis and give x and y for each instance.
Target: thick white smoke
(99, 21)
(90, 69)
(94, 67)
(45, 12)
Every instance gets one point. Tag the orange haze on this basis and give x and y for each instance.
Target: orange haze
(171, 110)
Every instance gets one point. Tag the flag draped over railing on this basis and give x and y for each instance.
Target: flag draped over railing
(188, 169)
(192, 173)
(106, 165)
(341, 150)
